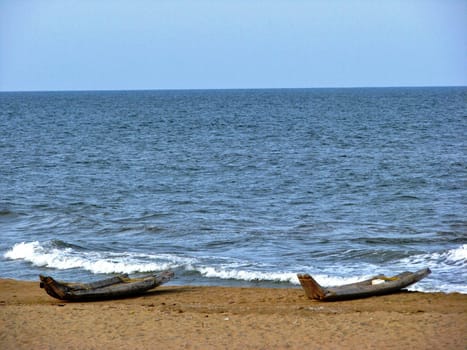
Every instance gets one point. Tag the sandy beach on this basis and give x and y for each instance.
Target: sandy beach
(173, 317)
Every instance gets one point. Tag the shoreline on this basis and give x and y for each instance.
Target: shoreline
(200, 317)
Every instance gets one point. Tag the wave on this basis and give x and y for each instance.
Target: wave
(446, 265)
(246, 275)
(436, 260)
(63, 256)
(60, 255)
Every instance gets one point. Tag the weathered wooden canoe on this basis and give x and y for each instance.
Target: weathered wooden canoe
(377, 285)
(111, 288)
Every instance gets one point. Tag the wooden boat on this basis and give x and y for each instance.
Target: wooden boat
(111, 288)
(377, 285)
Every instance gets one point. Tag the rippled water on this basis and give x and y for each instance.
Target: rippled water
(235, 186)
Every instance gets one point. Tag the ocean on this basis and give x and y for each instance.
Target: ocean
(235, 187)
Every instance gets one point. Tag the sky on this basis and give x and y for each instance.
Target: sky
(229, 44)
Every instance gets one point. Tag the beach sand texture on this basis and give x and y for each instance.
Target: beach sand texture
(173, 317)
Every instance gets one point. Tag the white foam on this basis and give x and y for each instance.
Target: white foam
(245, 275)
(284, 276)
(23, 250)
(448, 258)
(95, 262)
(445, 265)
(458, 255)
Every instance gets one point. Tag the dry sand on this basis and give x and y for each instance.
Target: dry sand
(230, 318)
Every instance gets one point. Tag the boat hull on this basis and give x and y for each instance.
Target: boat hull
(112, 288)
(363, 289)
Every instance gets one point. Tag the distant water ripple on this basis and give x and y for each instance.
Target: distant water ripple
(235, 187)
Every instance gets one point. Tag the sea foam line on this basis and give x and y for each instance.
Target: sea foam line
(100, 262)
(95, 262)
(452, 257)
(245, 275)
(47, 255)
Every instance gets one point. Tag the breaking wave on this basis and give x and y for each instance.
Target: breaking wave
(62, 256)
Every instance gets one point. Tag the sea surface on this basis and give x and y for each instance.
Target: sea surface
(235, 187)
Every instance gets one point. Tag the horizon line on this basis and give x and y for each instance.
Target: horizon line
(239, 89)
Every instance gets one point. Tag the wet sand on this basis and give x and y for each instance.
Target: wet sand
(172, 317)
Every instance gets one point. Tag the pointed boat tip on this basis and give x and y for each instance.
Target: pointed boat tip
(313, 289)
(43, 279)
(425, 272)
(167, 274)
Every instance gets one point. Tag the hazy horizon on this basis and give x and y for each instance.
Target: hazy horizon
(51, 45)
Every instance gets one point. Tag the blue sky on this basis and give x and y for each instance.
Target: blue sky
(207, 44)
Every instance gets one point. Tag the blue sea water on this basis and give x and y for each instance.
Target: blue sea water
(235, 187)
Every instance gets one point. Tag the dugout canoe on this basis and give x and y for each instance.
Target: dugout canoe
(378, 285)
(111, 288)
